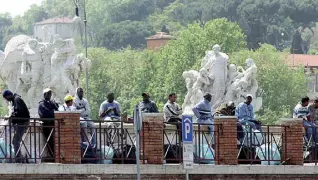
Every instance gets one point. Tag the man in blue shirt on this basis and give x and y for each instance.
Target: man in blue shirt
(203, 112)
(109, 110)
(245, 113)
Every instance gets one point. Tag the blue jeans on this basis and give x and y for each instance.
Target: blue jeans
(210, 123)
(89, 124)
(311, 130)
(252, 123)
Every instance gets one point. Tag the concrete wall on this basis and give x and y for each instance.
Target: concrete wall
(155, 172)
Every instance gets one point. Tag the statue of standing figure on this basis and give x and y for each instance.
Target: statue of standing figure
(216, 66)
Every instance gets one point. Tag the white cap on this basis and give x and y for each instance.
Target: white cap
(249, 95)
(46, 90)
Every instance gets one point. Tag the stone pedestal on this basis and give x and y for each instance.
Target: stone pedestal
(151, 141)
(292, 144)
(67, 138)
(226, 140)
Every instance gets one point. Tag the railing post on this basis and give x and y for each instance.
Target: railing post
(292, 143)
(152, 138)
(67, 138)
(226, 140)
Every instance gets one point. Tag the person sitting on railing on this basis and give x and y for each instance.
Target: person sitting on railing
(81, 104)
(203, 112)
(313, 110)
(245, 114)
(301, 110)
(46, 111)
(110, 109)
(172, 112)
(228, 109)
(68, 104)
(146, 105)
(20, 119)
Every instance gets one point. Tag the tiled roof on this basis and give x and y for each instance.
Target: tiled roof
(63, 20)
(302, 59)
(161, 35)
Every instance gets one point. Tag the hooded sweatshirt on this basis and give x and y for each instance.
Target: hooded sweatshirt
(20, 110)
(82, 106)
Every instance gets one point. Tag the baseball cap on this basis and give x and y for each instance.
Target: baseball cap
(68, 98)
(249, 95)
(46, 90)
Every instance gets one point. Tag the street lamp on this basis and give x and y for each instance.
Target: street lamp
(77, 18)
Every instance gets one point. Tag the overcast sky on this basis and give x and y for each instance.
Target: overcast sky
(16, 7)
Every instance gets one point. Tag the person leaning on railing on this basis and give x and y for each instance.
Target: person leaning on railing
(81, 104)
(110, 109)
(46, 113)
(203, 112)
(146, 105)
(20, 118)
(244, 112)
(172, 112)
(301, 110)
(228, 109)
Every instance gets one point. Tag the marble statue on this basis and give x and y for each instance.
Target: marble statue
(27, 66)
(225, 82)
(190, 78)
(216, 65)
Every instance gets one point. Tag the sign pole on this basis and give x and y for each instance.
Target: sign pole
(187, 139)
(137, 127)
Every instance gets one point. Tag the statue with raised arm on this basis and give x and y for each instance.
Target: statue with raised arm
(190, 78)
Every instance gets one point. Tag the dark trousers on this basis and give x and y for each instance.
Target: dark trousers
(48, 126)
(177, 122)
(19, 130)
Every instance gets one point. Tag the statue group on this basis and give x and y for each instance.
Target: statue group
(226, 82)
(27, 66)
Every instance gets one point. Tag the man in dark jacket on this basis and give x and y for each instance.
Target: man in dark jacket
(46, 112)
(20, 118)
(146, 105)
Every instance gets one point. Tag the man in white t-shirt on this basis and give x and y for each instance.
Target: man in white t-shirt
(301, 110)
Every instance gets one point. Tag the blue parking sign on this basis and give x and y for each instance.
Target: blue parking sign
(187, 129)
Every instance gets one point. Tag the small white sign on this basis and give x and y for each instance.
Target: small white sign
(187, 156)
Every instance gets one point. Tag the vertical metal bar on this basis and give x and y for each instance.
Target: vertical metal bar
(85, 32)
(137, 154)
(34, 129)
(100, 138)
(10, 139)
(199, 132)
(59, 140)
(268, 145)
(121, 136)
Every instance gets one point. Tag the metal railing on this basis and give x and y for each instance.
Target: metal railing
(204, 143)
(310, 145)
(28, 140)
(111, 142)
(262, 146)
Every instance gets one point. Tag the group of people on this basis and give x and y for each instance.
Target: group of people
(110, 111)
(309, 113)
(20, 117)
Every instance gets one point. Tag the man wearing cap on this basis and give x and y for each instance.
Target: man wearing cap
(203, 112)
(46, 112)
(20, 118)
(81, 104)
(146, 105)
(68, 104)
(110, 109)
(244, 112)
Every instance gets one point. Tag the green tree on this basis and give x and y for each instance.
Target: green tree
(124, 34)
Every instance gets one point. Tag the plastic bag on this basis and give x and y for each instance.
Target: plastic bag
(33, 157)
(106, 155)
(5, 151)
(206, 154)
(264, 155)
